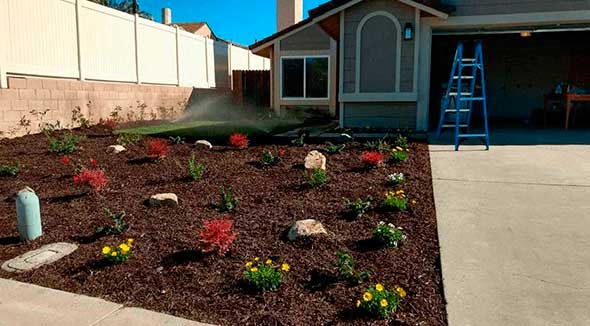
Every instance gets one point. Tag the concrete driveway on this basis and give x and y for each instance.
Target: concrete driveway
(514, 228)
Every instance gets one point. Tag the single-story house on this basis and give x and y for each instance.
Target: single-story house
(385, 63)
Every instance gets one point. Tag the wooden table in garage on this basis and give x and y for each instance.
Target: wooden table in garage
(569, 99)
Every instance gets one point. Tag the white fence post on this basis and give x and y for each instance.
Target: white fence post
(177, 55)
(229, 67)
(137, 49)
(3, 78)
(79, 39)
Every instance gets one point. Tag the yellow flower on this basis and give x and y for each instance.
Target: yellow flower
(399, 148)
(379, 287)
(358, 303)
(124, 247)
(383, 303)
(394, 150)
(256, 259)
(285, 267)
(268, 262)
(414, 201)
(106, 250)
(402, 293)
(367, 296)
(254, 269)
(130, 242)
(114, 254)
(249, 264)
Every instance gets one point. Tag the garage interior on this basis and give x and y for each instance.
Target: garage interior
(522, 67)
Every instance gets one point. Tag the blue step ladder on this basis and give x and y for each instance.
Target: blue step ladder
(464, 89)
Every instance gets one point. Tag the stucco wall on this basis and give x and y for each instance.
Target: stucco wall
(490, 7)
(380, 115)
(352, 18)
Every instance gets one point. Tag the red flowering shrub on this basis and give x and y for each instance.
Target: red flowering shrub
(95, 179)
(110, 122)
(239, 141)
(94, 162)
(282, 152)
(217, 235)
(65, 160)
(372, 158)
(157, 149)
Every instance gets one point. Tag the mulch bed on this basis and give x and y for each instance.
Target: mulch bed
(167, 271)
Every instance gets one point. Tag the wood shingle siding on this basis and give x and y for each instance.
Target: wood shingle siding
(380, 115)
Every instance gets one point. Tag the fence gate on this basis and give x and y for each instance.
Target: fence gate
(251, 88)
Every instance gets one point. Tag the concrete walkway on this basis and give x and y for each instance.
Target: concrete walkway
(514, 227)
(25, 304)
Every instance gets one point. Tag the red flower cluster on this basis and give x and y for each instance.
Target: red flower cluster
(239, 141)
(110, 122)
(65, 160)
(372, 158)
(95, 179)
(93, 162)
(157, 149)
(217, 235)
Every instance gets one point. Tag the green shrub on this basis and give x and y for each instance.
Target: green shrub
(119, 253)
(9, 170)
(264, 276)
(118, 225)
(396, 179)
(65, 144)
(129, 139)
(388, 235)
(346, 269)
(299, 142)
(380, 302)
(398, 155)
(380, 145)
(356, 209)
(195, 171)
(395, 201)
(269, 159)
(177, 140)
(401, 141)
(333, 148)
(316, 177)
(227, 200)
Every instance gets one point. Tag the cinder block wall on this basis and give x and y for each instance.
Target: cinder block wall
(30, 103)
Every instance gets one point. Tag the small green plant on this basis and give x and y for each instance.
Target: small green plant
(396, 179)
(316, 177)
(333, 148)
(380, 145)
(177, 140)
(195, 171)
(269, 159)
(118, 225)
(398, 155)
(65, 144)
(227, 200)
(119, 253)
(379, 302)
(356, 209)
(129, 139)
(388, 235)
(266, 276)
(395, 201)
(9, 169)
(401, 141)
(79, 118)
(299, 141)
(346, 269)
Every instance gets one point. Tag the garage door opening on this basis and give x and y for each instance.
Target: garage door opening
(524, 71)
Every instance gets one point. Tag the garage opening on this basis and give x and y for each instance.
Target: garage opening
(528, 75)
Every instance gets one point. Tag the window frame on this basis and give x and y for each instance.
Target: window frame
(304, 58)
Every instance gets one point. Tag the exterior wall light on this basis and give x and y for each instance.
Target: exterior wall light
(408, 32)
(526, 34)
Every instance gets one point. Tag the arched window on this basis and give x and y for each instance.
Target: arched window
(378, 53)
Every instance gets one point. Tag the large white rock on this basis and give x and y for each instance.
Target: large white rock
(306, 228)
(203, 143)
(168, 200)
(315, 160)
(116, 149)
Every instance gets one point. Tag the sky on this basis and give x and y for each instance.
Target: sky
(239, 21)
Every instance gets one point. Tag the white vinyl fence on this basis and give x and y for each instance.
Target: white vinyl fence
(83, 40)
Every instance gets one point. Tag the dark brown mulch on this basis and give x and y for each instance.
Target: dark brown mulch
(168, 273)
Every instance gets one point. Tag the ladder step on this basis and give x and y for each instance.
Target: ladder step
(463, 77)
(453, 126)
(468, 59)
(471, 65)
(472, 135)
(462, 94)
(454, 111)
(467, 99)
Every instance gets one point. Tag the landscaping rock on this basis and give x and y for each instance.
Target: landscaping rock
(37, 258)
(116, 149)
(163, 200)
(315, 160)
(306, 228)
(203, 143)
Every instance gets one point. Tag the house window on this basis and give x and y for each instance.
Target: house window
(305, 77)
